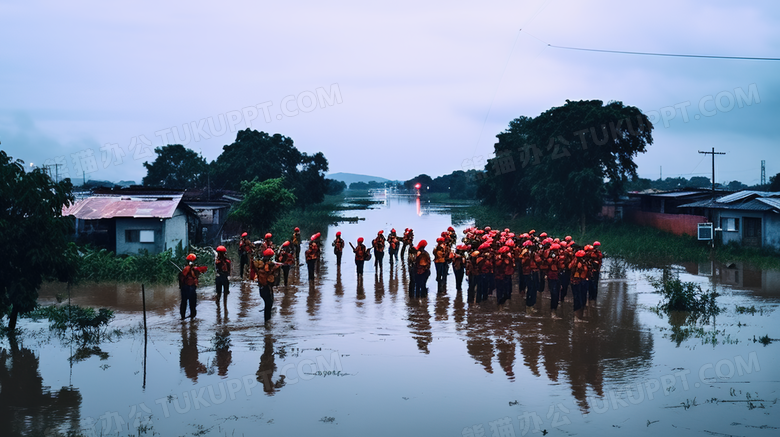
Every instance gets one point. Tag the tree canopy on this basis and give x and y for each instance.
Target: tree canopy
(263, 203)
(774, 182)
(176, 167)
(33, 234)
(564, 161)
(256, 154)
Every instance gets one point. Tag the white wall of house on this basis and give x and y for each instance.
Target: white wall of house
(148, 228)
(176, 230)
(770, 227)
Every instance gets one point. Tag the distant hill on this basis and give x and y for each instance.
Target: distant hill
(349, 178)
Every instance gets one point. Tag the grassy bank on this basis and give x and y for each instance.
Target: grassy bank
(639, 245)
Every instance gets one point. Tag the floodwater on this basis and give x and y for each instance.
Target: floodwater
(347, 358)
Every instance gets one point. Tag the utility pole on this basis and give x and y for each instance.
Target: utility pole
(713, 153)
(56, 171)
(763, 172)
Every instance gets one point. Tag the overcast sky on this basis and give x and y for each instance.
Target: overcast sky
(393, 89)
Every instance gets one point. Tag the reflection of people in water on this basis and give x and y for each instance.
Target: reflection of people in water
(27, 408)
(188, 357)
(420, 323)
(265, 372)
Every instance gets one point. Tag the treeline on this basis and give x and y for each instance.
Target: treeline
(678, 183)
(253, 156)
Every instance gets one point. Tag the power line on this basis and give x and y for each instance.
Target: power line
(675, 55)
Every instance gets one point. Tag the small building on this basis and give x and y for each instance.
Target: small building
(126, 221)
(749, 218)
(661, 210)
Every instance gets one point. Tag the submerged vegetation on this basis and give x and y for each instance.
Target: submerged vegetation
(88, 324)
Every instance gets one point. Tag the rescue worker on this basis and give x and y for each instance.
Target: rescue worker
(361, 253)
(440, 257)
(312, 255)
(267, 243)
(485, 271)
(222, 265)
(411, 262)
(338, 248)
(564, 275)
(392, 246)
(285, 257)
(422, 269)
(473, 273)
(596, 258)
(408, 240)
(296, 244)
(579, 273)
(453, 236)
(266, 271)
(504, 268)
(245, 249)
(529, 269)
(188, 284)
(554, 263)
(378, 244)
(459, 265)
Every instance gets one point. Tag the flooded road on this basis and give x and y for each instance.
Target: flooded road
(342, 357)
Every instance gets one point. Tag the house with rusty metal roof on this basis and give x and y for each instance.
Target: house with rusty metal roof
(126, 221)
(749, 218)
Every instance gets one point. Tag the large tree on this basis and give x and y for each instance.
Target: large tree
(176, 167)
(253, 155)
(33, 234)
(774, 183)
(564, 161)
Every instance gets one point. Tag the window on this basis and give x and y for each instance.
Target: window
(139, 236)
(729, 224)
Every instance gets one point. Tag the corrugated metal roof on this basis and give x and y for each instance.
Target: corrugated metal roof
(771, 201)
(760, 204)
(745, 194)
(133, 206)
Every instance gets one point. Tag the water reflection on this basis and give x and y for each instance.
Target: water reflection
(265, 373)
(420, 323)
(188, 356)
(26, 406)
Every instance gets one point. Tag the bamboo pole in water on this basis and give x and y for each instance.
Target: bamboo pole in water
(143, 299)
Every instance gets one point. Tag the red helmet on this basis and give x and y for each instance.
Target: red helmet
(484, 246)
(380, 232)
(285, 244)
(221, 249)
(338, 234)
(532, 231)
(487, 228)
(297, 229)
(510, 243)
(543, 235)
(392, 230)
(440, 240)
(557, 240)
(421, 244)
(360, 240)
(580, 253)
(268, 236)
(191, 257)
(527, 243)
(555, 246)
(244, 234)
(450, 229)
(268, 252)
(313, 237)
(504, 249)
(596, 244)
(568, 238)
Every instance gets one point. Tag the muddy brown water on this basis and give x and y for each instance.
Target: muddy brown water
(348, 358)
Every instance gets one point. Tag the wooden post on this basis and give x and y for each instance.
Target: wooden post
(143, 300)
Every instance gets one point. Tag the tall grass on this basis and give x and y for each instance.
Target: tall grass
(101, 265)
